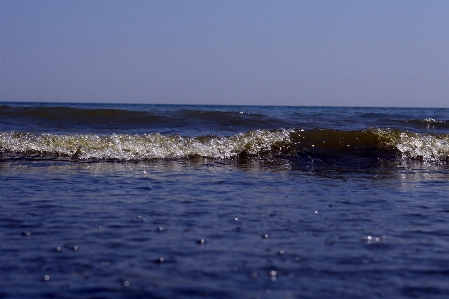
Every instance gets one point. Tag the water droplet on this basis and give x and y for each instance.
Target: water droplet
(281, 252)
(139, 218)
(46, 277)
(201, 241)
(265, 236)
(126, 283)
(75, 248)
(58, 248)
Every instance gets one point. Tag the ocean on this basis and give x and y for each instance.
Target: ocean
(197, 201)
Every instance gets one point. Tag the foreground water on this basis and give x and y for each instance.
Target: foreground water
(135, 201)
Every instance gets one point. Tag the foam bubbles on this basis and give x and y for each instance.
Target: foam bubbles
(424, 147)
(260, 143)
(124, 147)
(415, 146)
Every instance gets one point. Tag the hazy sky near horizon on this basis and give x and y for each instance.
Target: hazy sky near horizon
(321, 53)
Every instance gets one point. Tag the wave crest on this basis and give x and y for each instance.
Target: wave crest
(424, 147)
(142, 147)
(325, 144)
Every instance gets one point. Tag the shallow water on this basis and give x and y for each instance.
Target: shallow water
(308, 225)
(99, 230)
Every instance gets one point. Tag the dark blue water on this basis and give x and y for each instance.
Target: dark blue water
(259, 202)
(197, 120)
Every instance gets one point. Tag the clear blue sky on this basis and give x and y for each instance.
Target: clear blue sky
(332, 53)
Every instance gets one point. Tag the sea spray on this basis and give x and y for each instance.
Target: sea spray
(317, 143)
(125, 147)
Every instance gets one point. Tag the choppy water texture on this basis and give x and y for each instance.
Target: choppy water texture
(157, 201)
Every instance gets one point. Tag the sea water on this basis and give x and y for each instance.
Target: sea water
(176, 201)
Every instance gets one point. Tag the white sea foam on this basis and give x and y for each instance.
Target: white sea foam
(141, 147)
(433, 120)
(124, 147)
(425, 147)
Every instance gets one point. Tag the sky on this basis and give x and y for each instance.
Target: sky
(299, 53)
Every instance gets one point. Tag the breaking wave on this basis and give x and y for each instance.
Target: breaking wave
(325, 144)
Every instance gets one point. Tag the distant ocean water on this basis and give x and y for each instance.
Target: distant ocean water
(192, 201)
